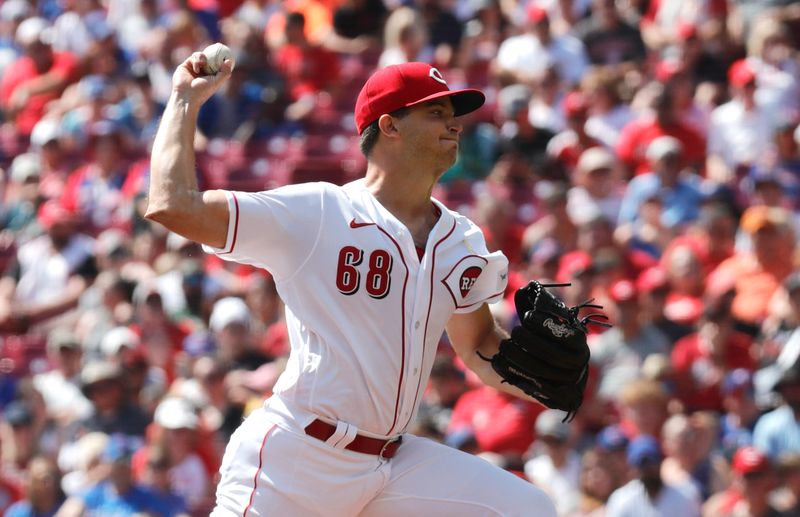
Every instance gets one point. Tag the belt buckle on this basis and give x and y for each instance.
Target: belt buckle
(386, 445)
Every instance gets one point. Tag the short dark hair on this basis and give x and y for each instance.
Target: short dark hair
(369, 137)
(296, 19)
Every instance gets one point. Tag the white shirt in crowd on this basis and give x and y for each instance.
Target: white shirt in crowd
(631, 500)
(525, 54)
(561, 484)
(738, 136)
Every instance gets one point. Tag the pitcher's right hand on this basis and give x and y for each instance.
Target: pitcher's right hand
(190, 83)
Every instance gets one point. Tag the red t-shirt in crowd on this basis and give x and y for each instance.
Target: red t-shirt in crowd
(637, 136)
(307, 70)
(23, 70)
(698, 380)
(501, 423)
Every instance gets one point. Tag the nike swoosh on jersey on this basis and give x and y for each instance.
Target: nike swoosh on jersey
(354, 224)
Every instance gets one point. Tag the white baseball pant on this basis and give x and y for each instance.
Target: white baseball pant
(275, 470)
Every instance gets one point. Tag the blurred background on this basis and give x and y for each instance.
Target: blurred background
(647, 151)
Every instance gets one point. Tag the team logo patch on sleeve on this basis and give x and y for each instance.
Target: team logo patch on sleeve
(461, 280)
(467, 280)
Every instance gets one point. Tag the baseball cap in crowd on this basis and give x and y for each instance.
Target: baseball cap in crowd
(405, 85)
(666, 69)
(52, 212)
(227, 311)
(644, 449)
(686, 30)
(62, 338)
(612, 439)
(18, 414)
(662, 147)
(741, 73)
(550, 424)
(575, 105)
(573, 265)
(96, 372)
(33, 30)
(757, 217)
(622, 291)
(45, 131)
(26, 166)
(13, 10)
(749, 460)
(595, 159)
(652, 279)
(176, 413)
(118, 338)
(536, 14)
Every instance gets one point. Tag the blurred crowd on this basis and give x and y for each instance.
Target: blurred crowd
(647, 152)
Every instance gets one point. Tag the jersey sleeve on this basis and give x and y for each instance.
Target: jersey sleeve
(275, 230)
(491, 283)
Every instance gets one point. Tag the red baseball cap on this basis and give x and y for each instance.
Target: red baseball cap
(748, 460)
(622, 291)
(52, 212)
(406, 85)
(536, 14)
(741, 73)
(575, 104)
(651, 279)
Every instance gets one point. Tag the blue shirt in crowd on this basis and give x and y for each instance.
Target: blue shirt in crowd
(680, 204)
(777, 432)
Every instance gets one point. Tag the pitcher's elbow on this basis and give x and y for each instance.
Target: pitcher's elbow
(159, 212)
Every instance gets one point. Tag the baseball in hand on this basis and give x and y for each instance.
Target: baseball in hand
(216, 54)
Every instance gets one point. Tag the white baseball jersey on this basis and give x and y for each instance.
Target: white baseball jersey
(364, 313)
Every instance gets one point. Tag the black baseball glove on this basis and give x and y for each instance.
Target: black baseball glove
(547, 356)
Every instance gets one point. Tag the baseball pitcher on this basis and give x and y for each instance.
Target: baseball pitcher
(371, 274)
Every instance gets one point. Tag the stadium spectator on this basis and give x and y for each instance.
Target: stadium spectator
(102, 384)
(648, 492)
(524, 58)
(596, 187)
(308, 69)
(661, 119)
(702, 360)
(608, 38)
(568, 145)
(37, 77)
(49, 274)
(43, 495)
(619, 352)
(60, 387)
(754, 478)
(740, 130)
(757, 275)
(500, 422)
(554, 467)
(778, 432)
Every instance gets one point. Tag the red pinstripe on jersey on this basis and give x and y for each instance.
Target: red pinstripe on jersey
(428, 316)
(260, 464)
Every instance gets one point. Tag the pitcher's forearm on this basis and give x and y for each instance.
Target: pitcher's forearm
(173, 180)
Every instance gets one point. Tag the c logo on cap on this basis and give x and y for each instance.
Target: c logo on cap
(436, 75)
